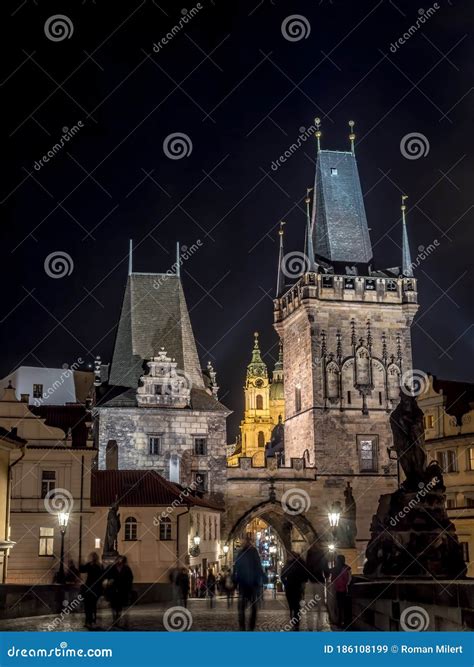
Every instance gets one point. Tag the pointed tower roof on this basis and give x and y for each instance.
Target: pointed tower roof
(257, 367)
(339, 224)
(407, 266)
(280, 276)
(154, 315)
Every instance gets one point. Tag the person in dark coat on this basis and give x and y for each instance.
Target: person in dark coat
(182, 582)
(248, 576)
(92, 588)
(211, 587)
(121, 587)
(318, 574)
(294, 577)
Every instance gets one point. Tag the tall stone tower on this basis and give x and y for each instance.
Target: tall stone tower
(345, 328)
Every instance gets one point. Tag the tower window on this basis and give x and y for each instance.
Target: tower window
(154, 445)
(367, 446)
(261, 439)
(429, 421)
(298, 399)
(465, 551)
(333, 171)
(380, 398)
(200, 446)
(349, 398)
(48, 482)
(131, 529)
(259, 402)
(46, 542)
(200, 481)
(470, 458)
(451, 461)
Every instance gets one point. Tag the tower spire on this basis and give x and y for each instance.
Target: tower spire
(280, 277)
(308, 246)
(178, 267)
(317, 134)
(130, 254)
(352, 136)
(407, 267)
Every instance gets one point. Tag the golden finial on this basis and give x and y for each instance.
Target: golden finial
(308, 198)
(403, 207)
(352, 136)
(280, 231)
(317, 134)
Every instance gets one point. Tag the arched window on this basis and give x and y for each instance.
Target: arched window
(259, 402)
(131, 529)
(261, 439)
(111, 455)
(165, 528)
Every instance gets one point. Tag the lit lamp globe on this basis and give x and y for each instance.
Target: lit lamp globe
(334, 515)
(63, 520)
(225, 549)
(197, 540)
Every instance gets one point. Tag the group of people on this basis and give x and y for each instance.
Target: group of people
(113, 581)
(202, 586)
(305, 582)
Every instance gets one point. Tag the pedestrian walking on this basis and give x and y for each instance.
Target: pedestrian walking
(315, 598)
(211, 588)
(91, 590)
(341, 576)
(294, 578)
(120, 590)
(229, 588)
(182, 581)
(248, 575)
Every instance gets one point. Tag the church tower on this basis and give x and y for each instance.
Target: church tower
(264, 404)
(345, 329)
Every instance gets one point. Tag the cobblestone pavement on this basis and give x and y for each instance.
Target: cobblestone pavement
(272, 616)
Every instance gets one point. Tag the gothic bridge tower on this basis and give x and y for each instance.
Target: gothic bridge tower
(345, 328)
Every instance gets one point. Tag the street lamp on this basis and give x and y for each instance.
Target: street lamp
(225, 549)
(334, 514)
(197, 540)
(63, 519)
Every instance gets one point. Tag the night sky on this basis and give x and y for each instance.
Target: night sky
(241, 91)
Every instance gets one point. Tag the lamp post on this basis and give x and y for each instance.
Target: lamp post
(334, 516)
(63, 519)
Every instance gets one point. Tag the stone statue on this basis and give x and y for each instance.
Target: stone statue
(112, 531)
(408, 431)
(350, 510)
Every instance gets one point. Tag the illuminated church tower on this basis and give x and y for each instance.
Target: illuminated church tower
(264, 405)
(345, 329)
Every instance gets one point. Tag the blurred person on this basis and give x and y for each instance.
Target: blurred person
(229, 588)
(211, 588)
(182, 581)
(294, 576)
(120, 591)
(341, 577)
(91, 590)
(318, 572)
(248, 575)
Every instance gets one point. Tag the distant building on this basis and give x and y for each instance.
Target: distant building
(163, 525)
(11, 451)
(264, 405)
(50, 386)
(448, 407)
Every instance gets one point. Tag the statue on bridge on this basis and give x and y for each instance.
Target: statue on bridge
(276, 446)
(111, 532)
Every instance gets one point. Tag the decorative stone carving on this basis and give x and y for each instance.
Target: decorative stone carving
(164, 385)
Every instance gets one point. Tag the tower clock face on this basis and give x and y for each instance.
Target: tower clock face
(259, 383)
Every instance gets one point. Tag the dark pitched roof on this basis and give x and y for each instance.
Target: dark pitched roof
(141, 488)
(340, 231)
(70, 418)
(123, 397)
(154, 315)
(11, 437)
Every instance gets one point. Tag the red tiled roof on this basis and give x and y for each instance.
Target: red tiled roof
(71, 418)
(140, 488)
